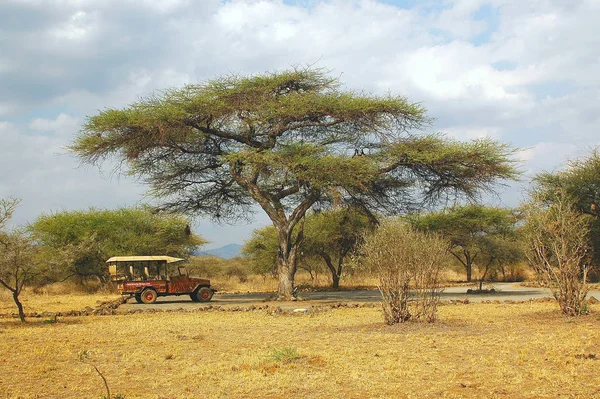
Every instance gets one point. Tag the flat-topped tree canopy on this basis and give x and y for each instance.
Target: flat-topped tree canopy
(287, 141)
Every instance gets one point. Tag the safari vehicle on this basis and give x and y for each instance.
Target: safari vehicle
(147, 277)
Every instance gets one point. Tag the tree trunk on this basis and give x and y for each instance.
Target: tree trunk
(335, 276)
(285, 271)
(15, 295)
(286, 262)
(468, 265)
(338, 276)
(336, 281)
(487, 267)
(467, 262)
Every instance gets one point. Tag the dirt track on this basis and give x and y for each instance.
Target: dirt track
(504, 292)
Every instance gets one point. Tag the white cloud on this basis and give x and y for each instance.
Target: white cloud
(75, 29)
(62, 124)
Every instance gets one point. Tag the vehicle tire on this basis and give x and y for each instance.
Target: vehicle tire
(149, 296)
(203, 294)
(138, 298)
(193, 297)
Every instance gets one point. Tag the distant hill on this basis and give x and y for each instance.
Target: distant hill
(226, 252)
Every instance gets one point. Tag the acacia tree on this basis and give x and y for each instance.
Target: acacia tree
(475, 232)
(286, 141)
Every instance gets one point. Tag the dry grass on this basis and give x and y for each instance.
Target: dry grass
(38, 303)
(257, 283)
(475, 351)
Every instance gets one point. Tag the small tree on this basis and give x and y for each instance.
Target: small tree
(472, 230)
(403, 258)
(498, 252)
(17, 260)
(333, 235)
(557, 238)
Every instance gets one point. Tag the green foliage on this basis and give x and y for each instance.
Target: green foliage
(85, 239)
(333, 236)
(477, 234)
(261, 250)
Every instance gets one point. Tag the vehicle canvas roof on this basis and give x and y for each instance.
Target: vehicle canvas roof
(168, 259)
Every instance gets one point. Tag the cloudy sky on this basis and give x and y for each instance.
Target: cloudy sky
(523, 72)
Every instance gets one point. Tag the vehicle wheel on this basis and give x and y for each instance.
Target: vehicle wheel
(204, 294)
(138, 298)
(149, 296)
(193, 297)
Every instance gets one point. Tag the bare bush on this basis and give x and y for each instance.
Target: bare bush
(558, 250)
(404, 258)
(237, 270)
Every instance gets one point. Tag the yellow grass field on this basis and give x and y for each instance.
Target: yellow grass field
(475, 351)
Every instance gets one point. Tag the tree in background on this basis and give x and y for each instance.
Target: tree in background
(558, 249)
(18, 265)
(475, 233)
(261, 251)
(405, 259)
(580, 181)
(334, 235)
(498, 253)
(87, 238)
(329, 238)
(287, 141)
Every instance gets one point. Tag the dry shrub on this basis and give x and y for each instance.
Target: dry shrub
(404, 258)
(237, 270)
(214, 267)
(557, 237)
(206, 266)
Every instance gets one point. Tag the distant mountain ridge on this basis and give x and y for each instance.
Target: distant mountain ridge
(226, 252)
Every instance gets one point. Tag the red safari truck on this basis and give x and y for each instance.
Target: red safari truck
(147, 277)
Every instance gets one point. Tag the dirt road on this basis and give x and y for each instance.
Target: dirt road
(504, 291)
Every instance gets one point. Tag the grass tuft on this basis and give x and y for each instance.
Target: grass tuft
(283, 355)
